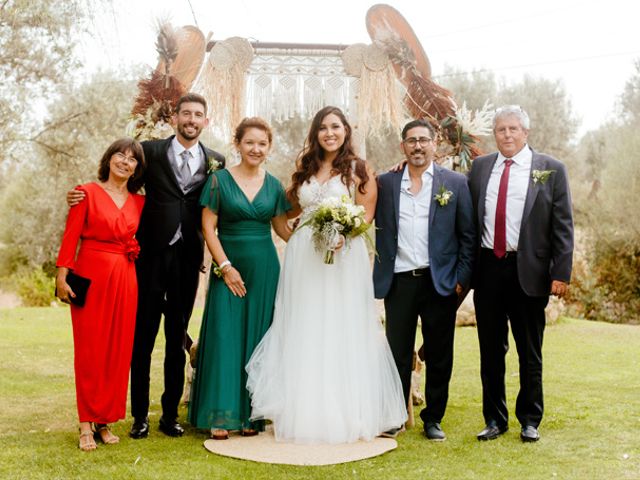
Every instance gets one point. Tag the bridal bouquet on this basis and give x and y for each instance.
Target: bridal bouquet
(335, 217)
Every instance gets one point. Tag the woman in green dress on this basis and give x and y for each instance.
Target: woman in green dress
(241, 204)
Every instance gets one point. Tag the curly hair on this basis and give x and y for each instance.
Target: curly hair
(312, 155)
(124, 145)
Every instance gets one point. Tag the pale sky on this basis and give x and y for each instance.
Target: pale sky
(589, 45)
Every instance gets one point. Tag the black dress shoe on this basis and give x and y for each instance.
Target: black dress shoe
(171, 427)
(393, 433)
(140, 428)
(529, 434)
(492, 431)
(433, 431)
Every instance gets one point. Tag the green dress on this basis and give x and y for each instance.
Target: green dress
(233, 326)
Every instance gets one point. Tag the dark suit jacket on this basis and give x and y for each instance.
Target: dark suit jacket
(545, 245)
(166, 206)
(451, 232)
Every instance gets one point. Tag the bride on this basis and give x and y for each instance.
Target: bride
(324, 372)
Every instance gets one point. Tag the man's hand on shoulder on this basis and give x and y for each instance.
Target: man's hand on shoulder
(397, 167)
(74, 197)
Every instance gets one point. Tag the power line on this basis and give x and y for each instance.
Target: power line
(528, 65)
(193, 14)
(504, 22)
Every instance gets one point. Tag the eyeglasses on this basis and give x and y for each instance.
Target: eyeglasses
(413, 141)
(122, 156)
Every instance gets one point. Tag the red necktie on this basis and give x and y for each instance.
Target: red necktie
(500, 234)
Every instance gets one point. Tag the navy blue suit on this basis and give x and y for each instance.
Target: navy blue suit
(430, 295)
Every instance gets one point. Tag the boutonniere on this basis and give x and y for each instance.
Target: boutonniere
(541, 176)
(212, 165)
(443, 196)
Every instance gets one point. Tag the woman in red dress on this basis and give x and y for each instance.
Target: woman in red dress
(105, 224)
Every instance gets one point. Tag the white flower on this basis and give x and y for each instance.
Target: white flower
(477, 123)
(541, 175)
(332, 219)
(212, 165)
(443, 196)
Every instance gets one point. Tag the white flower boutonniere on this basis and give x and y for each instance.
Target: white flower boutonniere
(443, 196)
(212, 165)
(541, 176)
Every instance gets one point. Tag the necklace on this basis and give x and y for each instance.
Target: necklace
(248, 180)
(114, 190)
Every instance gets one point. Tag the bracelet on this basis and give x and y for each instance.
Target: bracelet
(224, 264)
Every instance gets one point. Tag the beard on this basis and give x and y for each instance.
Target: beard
(189, 136)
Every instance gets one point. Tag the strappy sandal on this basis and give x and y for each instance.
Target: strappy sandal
(248, 432)
(102, 431)
(219, 434)
(89, 444)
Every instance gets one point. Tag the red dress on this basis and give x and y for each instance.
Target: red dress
(103, 329)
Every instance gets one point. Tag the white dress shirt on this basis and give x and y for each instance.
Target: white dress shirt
(413, 226)
(516, 194)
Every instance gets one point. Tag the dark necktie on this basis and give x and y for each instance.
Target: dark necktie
(500, 234)
(185, 173)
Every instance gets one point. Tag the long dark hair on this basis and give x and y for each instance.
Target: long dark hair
(123, 145)
(312, 154)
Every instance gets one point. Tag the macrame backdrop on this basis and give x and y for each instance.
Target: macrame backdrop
(281, 81)
(284, 83)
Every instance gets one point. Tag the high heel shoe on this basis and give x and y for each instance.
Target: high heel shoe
(86, 442)
(219, 434)
(102, 431)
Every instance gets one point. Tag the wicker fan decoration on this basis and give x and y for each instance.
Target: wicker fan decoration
(178, 54)
(424, 98)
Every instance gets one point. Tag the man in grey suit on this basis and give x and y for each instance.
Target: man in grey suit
(525, 248)
(425, 240)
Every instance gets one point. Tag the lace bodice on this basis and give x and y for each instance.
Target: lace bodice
(313, 192)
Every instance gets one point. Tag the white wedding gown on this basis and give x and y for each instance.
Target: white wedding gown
(324, 372)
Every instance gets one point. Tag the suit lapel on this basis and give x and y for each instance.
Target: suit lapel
(435, 187)
(166, 163)
(484, 183)
(532, 188)
(397, 181)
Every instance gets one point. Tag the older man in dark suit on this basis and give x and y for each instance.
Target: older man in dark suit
(525, 248)
(425, 241)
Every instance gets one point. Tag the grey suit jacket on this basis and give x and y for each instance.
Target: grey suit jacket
(451, 232)
(545, 244)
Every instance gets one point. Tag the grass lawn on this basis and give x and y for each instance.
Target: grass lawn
(591, 428)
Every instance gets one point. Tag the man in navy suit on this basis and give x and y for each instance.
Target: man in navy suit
(425, 242)
(524, 249)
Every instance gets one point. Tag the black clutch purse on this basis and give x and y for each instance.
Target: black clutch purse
(80, 286)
